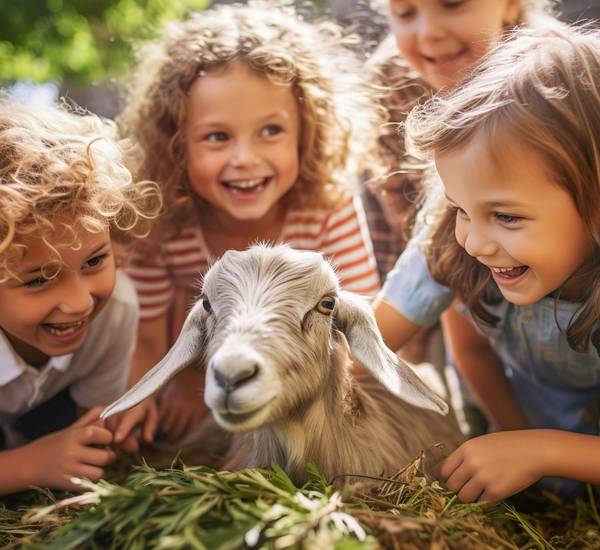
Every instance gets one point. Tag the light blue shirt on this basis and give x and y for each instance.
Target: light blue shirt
(556, 386)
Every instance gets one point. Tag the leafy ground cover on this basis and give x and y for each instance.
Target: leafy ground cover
(198, 507)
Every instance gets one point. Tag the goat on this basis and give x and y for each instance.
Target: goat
(270, 328)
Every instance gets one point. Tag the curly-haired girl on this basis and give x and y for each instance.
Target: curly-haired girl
(68, 318)
(517, 239)
(254, 123)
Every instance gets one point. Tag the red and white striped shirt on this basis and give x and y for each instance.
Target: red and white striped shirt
(342, 235)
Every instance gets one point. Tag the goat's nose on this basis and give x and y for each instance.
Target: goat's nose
(234, 378)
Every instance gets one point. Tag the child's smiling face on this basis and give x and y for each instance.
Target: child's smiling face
(44, 318)
(242, 141)
(443, 39)
(514, 219)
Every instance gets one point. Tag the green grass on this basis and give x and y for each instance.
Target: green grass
(198, 508)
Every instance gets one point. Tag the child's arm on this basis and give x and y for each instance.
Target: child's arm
(498, 465)
(50, 461)
(481, 368)
(395, 328)
(410, 299)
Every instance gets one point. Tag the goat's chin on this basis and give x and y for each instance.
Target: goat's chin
(245, 421)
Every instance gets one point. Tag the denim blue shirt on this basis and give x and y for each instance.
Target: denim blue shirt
(556, 386)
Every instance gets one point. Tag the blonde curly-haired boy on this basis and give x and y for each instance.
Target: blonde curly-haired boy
(68, 318)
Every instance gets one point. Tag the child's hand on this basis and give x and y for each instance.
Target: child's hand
(72, 452)
(181, 403)
(145, 414)
(494, 466)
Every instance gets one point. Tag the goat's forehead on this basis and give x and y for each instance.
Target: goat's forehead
(304, 274)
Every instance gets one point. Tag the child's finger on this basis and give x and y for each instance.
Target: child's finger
(450, 464)
(471, 491)
(95, 435)
(91, 416)
(97, 457)
(93, 473)
(458, 479)
(126, 424)
(130, 445)
(83, 471)
(150, 425)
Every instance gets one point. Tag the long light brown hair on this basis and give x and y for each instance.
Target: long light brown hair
(339, 120)
(543, 88)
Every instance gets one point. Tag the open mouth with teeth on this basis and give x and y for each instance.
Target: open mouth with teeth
(247, 186)
(66, 330)
(504, 275)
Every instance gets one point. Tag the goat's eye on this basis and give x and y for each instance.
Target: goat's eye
(326, 305)
(206, 305)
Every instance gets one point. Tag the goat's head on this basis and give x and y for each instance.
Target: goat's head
(264, 327)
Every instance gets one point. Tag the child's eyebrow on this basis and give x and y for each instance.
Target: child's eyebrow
(99, 248)
(503, 203)
(499, 203)
(31, 271)
(38, 269)
(213, 123)
(280, 113)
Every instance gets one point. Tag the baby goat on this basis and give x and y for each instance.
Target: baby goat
(270, 327)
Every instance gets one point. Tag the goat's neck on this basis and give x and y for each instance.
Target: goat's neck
(320, 425)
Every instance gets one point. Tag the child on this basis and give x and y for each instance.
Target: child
(437, 43)
(68, 319)
(518, 151)
(253, 122)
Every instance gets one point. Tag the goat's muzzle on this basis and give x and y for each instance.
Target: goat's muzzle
(238, 388)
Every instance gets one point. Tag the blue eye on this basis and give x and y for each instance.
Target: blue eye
(271, 130)
(326, 305)
(507, 218)
(216, 137)
(36, 283)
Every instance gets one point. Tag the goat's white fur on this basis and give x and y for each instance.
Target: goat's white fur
(278, 370)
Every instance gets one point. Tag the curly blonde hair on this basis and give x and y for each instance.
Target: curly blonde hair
(56, 165)
(543, 88)
(339, 120)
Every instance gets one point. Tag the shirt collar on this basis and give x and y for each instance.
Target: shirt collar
(12, 364)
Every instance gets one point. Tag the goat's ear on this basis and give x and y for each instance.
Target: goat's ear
(188, 349)
(355, 319)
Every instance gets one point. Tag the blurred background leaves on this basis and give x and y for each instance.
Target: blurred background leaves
(82, 41)
(83, 49)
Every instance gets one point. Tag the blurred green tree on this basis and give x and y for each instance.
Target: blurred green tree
(83, 41)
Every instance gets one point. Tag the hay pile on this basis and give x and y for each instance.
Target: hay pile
(197, 507)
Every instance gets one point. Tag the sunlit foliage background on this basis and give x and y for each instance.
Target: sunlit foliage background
(83, 41)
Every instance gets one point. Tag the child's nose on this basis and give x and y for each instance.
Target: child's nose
(478, 244)
(430, 27)
(243, 154)
(77, 298)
